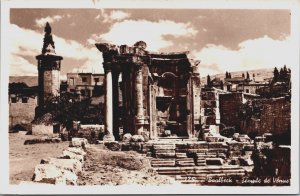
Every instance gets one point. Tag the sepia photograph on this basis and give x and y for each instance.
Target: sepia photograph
(194, 98)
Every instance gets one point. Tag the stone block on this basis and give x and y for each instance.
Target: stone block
(249, 147)
(113, 146)
(76, 150)
(187, 162)
(180, 155)
(146, 147)
(163, 162)
(79, 142)
(243, 138)
(217, 150)
(203, 145)
(136, 146)
(126, 137)
(200, 162)
(214, 139)
(235, 146)
(137, 138)
(72, 165)
(246, 161)
(235, 136)
(71, 155)
(167, 133)
(48, 173)
(165, 154)
(214, 161)
(181, 147)
(164, 146)
(234, 153)
(125, 146)
(259, 139)
(217, 145)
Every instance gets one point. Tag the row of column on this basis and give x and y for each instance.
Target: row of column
(110, 104)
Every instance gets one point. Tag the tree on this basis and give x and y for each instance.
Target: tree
(208, 81)
(229, 75)
(276, 74)
(253, 75)
(222, 85)
(281, 74)
(226, 75)
(243, 75)
(248, 76)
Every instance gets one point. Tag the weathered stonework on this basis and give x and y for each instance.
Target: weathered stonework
(160, 91)
(49, 65)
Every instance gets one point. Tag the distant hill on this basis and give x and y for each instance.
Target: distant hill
(29, 80)
(259, 74)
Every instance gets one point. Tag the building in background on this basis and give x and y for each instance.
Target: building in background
(84, 85)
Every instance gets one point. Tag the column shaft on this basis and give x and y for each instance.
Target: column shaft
(108, 103)
(139, 101)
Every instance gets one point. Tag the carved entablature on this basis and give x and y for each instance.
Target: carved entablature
(124, 56)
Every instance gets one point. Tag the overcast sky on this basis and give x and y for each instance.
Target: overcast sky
(223, 40)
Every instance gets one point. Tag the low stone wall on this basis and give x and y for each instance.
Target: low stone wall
(90, 132)
(42, 129)
(22, 113)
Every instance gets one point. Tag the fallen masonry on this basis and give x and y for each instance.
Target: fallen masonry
(62, 170)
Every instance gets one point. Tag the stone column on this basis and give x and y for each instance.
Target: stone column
(108, 103)
(139, 118)
(115, 83)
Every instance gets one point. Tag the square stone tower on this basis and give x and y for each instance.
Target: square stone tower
(48, 69)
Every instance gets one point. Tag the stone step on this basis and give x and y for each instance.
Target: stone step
(164, 146)
(200, 162)
(217, 150)
(214, 161)
(213, 145)
(200, 150)
(164, 154)
(185, 162)
(198, 145)
(163, 162)
(180, 155)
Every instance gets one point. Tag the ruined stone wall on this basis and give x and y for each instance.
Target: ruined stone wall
(275, 117)
(229, 108)
(209, 107)
(22, 113)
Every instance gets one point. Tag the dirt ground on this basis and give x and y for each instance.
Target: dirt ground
(24, 158)
(102, 167)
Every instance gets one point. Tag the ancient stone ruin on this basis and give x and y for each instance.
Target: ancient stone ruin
(155, 105)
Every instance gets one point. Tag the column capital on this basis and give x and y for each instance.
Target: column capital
(107, 66)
